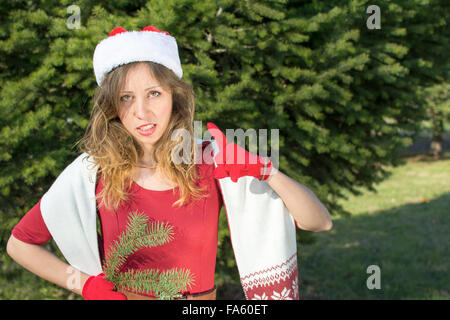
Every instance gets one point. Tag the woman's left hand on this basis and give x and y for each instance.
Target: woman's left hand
(235, 162)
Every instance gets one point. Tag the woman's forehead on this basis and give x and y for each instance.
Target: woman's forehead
(140, 73)
(140, 76)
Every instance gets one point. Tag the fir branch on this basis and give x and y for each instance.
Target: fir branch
(138, 235)
(165, 285)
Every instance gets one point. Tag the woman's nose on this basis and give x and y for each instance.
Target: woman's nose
(141, 108)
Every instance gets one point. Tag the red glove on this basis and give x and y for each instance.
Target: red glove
(98, 288)
(242, 164)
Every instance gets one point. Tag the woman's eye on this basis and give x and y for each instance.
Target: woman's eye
(125, 98)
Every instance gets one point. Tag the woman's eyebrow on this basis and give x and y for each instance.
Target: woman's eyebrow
(144, 90)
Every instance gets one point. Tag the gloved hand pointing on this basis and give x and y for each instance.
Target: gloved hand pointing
(235, 162)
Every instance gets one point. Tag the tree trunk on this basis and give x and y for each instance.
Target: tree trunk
(436, 149)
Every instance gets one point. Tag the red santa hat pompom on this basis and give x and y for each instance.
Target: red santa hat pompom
(122, 47)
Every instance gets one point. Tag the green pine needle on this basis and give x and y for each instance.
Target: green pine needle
(165, 285)
(138, 235)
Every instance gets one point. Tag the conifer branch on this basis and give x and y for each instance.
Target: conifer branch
(165, 285)
(138, 235)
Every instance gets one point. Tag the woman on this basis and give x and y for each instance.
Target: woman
(139, 104)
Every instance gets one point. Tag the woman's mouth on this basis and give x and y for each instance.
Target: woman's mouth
(146, 130)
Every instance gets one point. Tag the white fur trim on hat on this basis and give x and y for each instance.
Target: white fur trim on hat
(134, 46)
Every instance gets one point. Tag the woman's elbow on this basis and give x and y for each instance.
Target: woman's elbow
(328, 226)
(317, 228)
(324, 227)
(11, 246)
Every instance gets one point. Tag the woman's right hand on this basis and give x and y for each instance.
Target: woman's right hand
(98, 288)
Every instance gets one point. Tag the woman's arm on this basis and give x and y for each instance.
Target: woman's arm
(46, 265)
(308, 212)
(306, 209)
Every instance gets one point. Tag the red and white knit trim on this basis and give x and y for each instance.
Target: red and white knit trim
(279, 282)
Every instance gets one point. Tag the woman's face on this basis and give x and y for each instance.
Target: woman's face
(142, 102)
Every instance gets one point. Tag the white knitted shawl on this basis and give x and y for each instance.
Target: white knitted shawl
(262, 230)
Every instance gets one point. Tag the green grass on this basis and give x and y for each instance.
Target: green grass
(403, 228)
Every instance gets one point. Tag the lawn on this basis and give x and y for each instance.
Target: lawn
(403, 229)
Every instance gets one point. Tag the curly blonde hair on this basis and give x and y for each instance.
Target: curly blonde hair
(116, 151)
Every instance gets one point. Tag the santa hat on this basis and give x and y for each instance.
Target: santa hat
(122, 47)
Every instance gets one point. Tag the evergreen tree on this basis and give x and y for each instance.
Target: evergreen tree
(346, 99)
